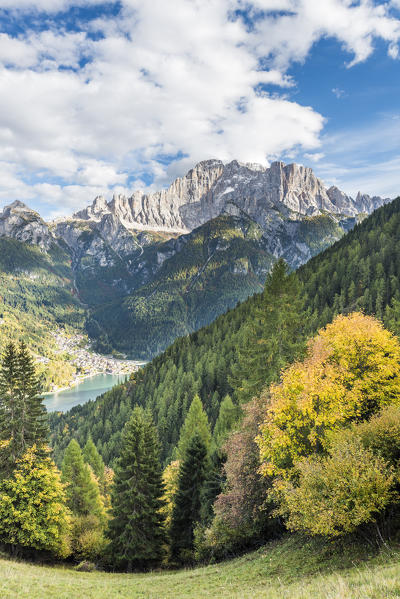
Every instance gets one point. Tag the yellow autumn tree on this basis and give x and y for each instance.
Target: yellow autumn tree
(33, 512)
(351, 371)
(170, 482)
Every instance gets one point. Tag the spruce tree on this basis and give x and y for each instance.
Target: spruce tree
(196, 421)
(136, 529)
(9, 410)
(186, 512)
(83, 495)
(23, 417)
(33, 413)
(274, 337)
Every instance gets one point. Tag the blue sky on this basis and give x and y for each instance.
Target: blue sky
(108, 97)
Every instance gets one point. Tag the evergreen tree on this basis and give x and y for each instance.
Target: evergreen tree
(33, 413)
(187, 506)
(94, 459)
(23, 417)
(195, 421)
(136, 528)
(9, 410)
(83, 495)
(274, 337)
(227, 417)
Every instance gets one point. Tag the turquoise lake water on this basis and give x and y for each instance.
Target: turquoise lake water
(90, 388)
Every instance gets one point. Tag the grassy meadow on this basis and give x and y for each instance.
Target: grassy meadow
(288, 569)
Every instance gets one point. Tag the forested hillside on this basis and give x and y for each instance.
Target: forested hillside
(196, 278)
(202, 275)
(361, 271)
(37, 298)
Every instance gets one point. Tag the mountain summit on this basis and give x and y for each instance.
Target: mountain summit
(210, 187)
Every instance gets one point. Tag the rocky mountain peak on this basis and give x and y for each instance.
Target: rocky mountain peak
(95, 212)
(289, 191)
(24, 224)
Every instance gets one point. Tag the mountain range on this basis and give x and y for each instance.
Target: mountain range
(151, 267)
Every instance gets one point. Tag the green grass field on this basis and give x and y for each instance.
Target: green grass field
(289, 569)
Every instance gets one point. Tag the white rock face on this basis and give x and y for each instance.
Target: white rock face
(210, 187)
(277, 199)
(21, 223)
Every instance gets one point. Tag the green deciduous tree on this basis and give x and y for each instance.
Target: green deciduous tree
(136, 529)
(83, 495)
(227, 417)
(95, 461)
(334, 495)
(84, 501)
(187, 506)
(32, 506)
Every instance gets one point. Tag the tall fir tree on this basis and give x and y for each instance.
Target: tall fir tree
(23, 417)
(9, 410)
(33, 412)
(83, 494)
(274, 337)
(186, 512)
(196, 421)
(136, 528)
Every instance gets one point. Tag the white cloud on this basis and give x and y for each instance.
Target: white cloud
(183, 81)
(50, 6)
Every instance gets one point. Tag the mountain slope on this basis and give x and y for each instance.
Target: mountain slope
(37, 298)
(202, 274)
(361, 271)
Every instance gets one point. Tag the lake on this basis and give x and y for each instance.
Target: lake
(90, 388)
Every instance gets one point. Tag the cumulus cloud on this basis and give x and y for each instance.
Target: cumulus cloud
(160, 89)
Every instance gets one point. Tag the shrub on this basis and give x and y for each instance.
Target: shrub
(337, 493)
(87, 537)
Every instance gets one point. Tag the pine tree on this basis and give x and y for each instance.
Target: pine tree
(274, 337)
(195, 421)
(187, 506)
(83, 495)
(136, 528)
